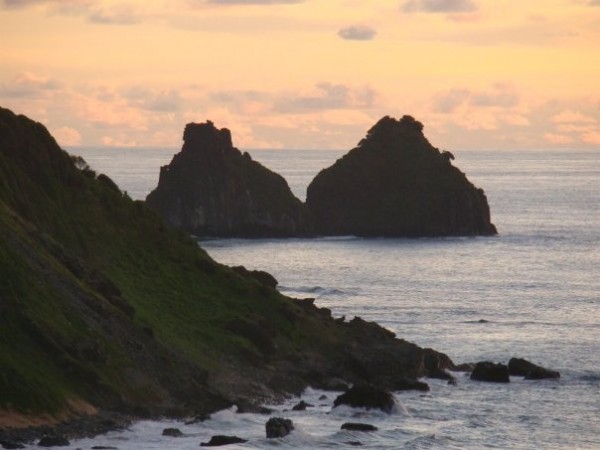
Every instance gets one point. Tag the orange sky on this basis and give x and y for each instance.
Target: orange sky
(480, 74)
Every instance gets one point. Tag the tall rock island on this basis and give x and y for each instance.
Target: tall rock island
(211, 189)
(395, 183)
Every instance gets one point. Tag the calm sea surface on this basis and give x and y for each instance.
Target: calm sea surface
(537, 286)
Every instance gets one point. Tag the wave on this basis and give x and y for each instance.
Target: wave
(318, 291)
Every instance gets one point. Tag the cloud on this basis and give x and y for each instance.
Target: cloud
(594, 3)
(501, 96)
(89, 9)
(326, 96)
(591, 137)
(67, 136)
(570, 116)
(439, 6)
(251, 2)
(153, 100)
(357, 33)
(558, 139)
(28, 84)
(119, 16)
(22, 4)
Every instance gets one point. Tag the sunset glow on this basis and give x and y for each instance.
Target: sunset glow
(480, 74)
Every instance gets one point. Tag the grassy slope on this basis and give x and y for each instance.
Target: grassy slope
(100, 302)
(66, 236)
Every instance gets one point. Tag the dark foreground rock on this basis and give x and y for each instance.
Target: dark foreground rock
(54, 441)
(301, 406)
(353, 426)
(522, 367)
(489, 371)
(264, 278)
(10, 444)
(211, 189)
(368, 397)
(278, 427)
(219, 440)
(172, 432)
(395, 183)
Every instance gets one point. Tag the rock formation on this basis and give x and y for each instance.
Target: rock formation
(395, 183)
(211, 189)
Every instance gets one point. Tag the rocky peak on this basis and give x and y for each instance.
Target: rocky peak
(389, 129)
(206, 135)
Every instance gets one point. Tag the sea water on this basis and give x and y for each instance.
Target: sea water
(533, 292)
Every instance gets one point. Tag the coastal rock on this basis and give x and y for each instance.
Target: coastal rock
(278, 427)
(54, 441)
(11, 444)
(408, 384)
(395, 183)
(489, 371)
(464, 367)
(301, 406)
(211, 189)
(264, 278)
(353, 426)
(368, 397)
(522, 367)
(219, 440)
(172, 432)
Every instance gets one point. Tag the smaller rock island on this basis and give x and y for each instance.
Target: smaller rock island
(395, 183)
(211, 189)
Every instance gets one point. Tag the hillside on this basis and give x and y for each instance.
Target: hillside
(103, 307)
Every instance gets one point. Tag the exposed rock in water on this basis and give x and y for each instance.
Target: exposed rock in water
(301, 406)
(368, 397)
(211, 189)
(277, 427)
(395, 183)
(489, 371)
(529, 370)
(173, 432)
(353, 426)
(218, 440)
(54, 441)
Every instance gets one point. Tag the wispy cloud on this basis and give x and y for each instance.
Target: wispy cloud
(502, 96)
(88, 9)
(28, 84)
(22, 4)
(439, 6)
(248, 2)
(326, 96)
(357, 33)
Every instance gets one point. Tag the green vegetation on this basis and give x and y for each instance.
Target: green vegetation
(96, 292)
(100, 302)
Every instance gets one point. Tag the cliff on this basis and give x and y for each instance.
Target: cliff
(395, 183)
(211, 189)
(104, 308)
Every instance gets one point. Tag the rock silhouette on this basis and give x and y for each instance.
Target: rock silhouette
(211, 189)
(395, 183)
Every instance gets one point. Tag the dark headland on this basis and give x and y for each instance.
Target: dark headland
(394, 183)
(104, 309)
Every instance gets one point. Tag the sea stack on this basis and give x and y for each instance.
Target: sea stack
(395, 183)
(211, 189)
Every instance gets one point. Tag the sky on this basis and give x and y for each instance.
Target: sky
(305, 74)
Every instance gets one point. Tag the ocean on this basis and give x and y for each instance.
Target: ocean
(532, 292)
